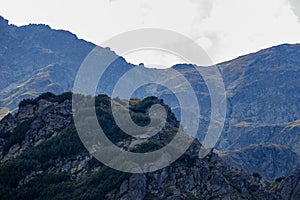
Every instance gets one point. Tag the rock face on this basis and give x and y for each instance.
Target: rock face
(48, 161)
(269, 160)
(262, 88)
(45, 119)
(290, 187)
(202, 179)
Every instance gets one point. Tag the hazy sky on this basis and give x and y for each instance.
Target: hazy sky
(224, 28)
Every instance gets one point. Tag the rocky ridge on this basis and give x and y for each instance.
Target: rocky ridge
(51, 162)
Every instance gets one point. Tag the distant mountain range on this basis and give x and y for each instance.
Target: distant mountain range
(263, 91)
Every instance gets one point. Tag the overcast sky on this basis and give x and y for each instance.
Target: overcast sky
(224, 28)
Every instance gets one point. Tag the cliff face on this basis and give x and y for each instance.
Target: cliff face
(42, 157)
(289, 188)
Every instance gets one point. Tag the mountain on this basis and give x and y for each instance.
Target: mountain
(263, 95)
(262, 88)
(35, 59)
(42, 157)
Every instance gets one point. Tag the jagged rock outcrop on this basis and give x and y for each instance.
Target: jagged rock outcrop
(51, 161)
(198, 179)
(45, 119)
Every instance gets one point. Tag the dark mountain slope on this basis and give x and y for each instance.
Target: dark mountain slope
(43, 158)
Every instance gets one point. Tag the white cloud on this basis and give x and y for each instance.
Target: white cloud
(224, 28)
(246, 26)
